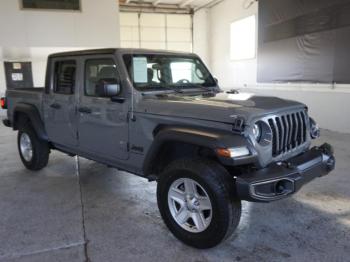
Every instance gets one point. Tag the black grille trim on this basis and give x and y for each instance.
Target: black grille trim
(288, 131)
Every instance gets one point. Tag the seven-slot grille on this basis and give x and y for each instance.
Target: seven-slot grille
(288, 131)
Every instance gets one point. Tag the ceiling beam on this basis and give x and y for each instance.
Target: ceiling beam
(148, 7)
(186, 3)
(211, 4)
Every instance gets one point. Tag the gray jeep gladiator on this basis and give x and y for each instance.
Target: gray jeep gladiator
(161, 115)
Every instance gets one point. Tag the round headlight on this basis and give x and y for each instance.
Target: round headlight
(262, 133)
(314, 129)
(257, 132)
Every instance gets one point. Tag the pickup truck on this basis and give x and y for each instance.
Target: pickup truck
(161, 115)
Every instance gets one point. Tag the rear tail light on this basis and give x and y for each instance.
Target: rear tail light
(3, 103)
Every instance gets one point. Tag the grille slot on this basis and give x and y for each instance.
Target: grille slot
(288, 131)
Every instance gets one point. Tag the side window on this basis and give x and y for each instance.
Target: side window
(99, 72)
(64, 79)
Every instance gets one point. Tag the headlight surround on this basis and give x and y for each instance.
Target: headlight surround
(314, 129)
(256, 131)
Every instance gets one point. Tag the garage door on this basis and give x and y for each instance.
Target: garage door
(156, 31)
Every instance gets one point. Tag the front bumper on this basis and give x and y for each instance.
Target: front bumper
(282, 179)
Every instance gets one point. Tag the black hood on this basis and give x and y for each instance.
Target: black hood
(222, 107)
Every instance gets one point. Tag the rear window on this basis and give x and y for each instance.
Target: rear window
(64, 81)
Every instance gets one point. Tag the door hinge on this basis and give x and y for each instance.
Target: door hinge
(131, 117)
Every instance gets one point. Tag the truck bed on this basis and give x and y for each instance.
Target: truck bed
(32, 96)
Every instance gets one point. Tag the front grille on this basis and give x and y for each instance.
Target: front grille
(288, 131)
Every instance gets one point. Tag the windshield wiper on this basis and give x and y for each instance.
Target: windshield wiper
(176, 89)
(180, 89)
(160, 90)
(205, 88)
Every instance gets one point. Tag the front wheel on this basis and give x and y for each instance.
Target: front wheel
(34, 152)
(197, 202)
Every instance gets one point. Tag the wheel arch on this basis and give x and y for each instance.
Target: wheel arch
(26, 112)
(171, 142)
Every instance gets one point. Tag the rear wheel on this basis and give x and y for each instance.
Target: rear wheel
(197, 202)
(34, 152)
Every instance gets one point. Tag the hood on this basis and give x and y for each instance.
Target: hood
(221, 108)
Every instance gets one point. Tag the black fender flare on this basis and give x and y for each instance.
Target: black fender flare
(34, 117)
(204, 137)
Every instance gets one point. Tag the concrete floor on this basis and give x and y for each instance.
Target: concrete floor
(108, 215)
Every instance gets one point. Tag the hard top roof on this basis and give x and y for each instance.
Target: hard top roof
(116, 50)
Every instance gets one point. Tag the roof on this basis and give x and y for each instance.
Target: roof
(85, 52)
(103, 51)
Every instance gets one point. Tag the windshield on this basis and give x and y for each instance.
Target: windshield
(159, 71)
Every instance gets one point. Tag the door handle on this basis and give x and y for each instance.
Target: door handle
(55, 106)
(118, 99)
(84, 110)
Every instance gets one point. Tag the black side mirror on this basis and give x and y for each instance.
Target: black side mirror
(216, 80)
(108, 88)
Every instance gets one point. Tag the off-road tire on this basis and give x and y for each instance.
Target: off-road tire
(40, 148)
(219, 184)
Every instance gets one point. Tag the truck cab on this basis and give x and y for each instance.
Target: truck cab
(79, 113)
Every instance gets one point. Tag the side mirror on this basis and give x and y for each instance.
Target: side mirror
(216, 80)
(108, 88)
(112, 90)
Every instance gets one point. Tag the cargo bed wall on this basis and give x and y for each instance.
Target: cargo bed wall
(32, 96)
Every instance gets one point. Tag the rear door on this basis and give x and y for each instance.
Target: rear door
(60, 102)
(103, 124)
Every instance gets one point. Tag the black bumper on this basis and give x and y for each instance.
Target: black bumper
(280, 180)
(6, 122)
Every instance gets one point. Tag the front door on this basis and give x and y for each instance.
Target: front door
(60, 103)
(103, 124)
